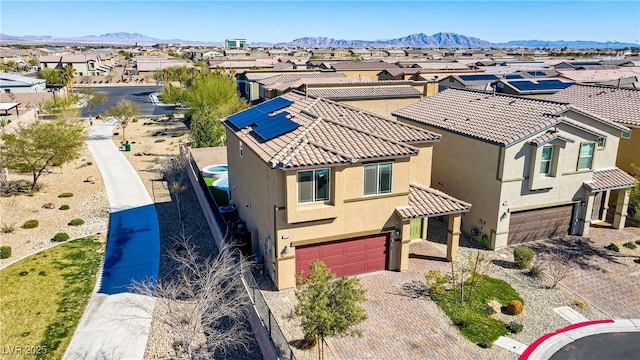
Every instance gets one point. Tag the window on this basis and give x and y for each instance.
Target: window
(601, 142)
(377, 178)
(585, 159)
(545, 160)
(313, 185)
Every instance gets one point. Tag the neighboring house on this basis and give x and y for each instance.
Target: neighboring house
(12, 83)
(340, 53)
(532, 168)
(368, 69)
(235, 67)
(473, 81)
(83, 64)
(533, 88)
(619, 105)
(396, 53)
(378, 97)
(203, 54)
(361, 53)
(275, 86)
(253, 92)
(148, 65)
(320, 53)
(8, 54)
(259, 54)
(236, 53)
(318, 180)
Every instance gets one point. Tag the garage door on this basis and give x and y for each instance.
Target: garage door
(539, 224)
(346, 257)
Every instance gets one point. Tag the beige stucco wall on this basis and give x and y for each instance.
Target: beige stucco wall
(467, 170)
(629, 152)
(260, 193)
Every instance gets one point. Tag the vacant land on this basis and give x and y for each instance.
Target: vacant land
(43, 297)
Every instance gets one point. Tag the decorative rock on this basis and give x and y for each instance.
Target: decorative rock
(48, 206)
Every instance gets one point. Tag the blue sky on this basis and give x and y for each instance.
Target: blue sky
(282, 21)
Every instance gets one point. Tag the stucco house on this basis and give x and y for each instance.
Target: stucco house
(532, 168)
(83, 64)
(14, 83)
(314, 179)
(619, 105)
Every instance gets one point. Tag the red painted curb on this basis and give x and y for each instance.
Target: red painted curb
(525, 355)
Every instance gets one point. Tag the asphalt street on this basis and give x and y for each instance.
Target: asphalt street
(138, 94)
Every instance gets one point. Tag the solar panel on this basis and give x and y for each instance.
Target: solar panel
(275, 126)
(531, 85)
(513, 76)
(252, 115)
(482, 77)
(537, 73)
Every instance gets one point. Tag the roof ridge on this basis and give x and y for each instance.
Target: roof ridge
(297, 142)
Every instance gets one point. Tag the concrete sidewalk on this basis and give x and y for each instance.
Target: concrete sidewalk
(116, 323)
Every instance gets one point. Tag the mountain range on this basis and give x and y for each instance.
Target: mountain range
(439, 40)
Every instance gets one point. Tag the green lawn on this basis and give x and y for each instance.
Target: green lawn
(43, 297)
(209, 181)
(472, 318)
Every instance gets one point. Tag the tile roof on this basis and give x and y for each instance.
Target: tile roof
(368, 92)
(609, 179)
(499, 119)
(428, 202)
(9, 80)
(331, 133)
(363, 65)
(290, 78)
(619, 105)
(548, 136)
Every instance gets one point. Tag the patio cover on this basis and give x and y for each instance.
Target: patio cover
(427, 202)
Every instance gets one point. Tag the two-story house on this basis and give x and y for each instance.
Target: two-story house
(532, 168)
(615, 104)
(314, 179)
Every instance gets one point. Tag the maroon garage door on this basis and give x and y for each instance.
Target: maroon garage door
(539, 224)
(346, 257)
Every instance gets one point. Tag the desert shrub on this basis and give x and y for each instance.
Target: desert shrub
(116, 133)
(30, 224)
(535, 272)
(514, 307)
(637, 242)
(59, 237)
(8, 226)
(76, 222)
(514, 327)
(436, 284)
(160, 140)
(612, 247)
(64, 207)
(485, 344)
(89, 163)
(65, 195)
(5, 252)
(630, 245)
(579, 304)
(134, 120)
(523, 257)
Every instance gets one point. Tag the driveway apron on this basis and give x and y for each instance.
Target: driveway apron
(116, 322)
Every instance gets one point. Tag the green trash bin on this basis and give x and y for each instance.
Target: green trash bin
(127, 146)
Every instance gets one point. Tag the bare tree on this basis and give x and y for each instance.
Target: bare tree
(202, 304)
(558, 266)
(173, 170)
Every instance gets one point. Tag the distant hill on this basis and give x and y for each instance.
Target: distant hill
(439, 40)
(579, 44)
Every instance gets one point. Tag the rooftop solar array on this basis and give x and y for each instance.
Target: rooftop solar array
(537, 73)
(585, 63)
(532, 85)
(513, 76)
(479, 77)
(264, 125)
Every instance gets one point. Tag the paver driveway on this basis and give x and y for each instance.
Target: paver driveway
(403, 327)
(608, 282)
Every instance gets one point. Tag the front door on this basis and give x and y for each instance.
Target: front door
(415, 227)
(596, 213)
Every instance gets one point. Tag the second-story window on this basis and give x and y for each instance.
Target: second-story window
(377, 178)
(313, 185)
(545, 160)
(585, 159)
